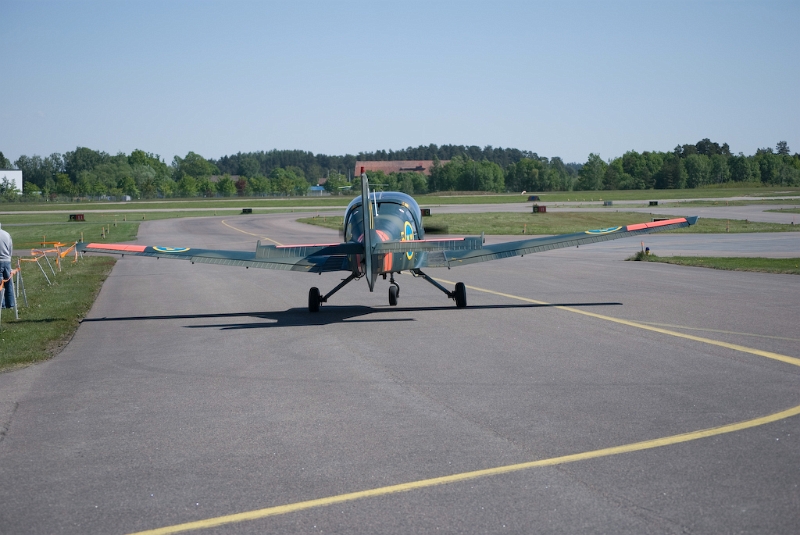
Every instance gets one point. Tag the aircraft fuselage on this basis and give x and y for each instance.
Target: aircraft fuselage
(394, 217)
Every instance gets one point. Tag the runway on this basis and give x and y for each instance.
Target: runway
(194, 392)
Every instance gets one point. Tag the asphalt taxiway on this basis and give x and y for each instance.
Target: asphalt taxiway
(649, 398)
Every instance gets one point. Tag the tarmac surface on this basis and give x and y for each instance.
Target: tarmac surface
(193, 392)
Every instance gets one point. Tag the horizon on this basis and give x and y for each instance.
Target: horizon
(566, 79)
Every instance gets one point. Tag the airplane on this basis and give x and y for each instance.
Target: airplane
(384, 236)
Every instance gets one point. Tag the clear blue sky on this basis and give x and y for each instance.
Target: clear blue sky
(559, 78)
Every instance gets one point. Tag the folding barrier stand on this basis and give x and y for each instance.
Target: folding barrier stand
(43, 272)
(21, 284)
(44, 254)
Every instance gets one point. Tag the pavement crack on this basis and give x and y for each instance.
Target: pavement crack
(665, 524)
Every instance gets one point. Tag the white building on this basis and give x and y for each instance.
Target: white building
(14, 176)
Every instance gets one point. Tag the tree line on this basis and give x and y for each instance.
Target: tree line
(691, 166)
(85, 172)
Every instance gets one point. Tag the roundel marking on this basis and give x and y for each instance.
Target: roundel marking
(608, 230)
(408, 235)
(162, 249)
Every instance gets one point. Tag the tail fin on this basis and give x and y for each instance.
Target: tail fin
(368, 225)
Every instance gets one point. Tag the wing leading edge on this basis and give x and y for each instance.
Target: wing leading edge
(321, 258)
(537, 245)
(314, 258)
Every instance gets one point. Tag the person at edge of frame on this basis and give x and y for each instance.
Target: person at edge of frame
(6, 249)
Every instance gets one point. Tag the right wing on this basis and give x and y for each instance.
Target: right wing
(537, 245)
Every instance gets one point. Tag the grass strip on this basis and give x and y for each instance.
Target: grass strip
(32, 236)
(53, 312)
(787, 211)
(471, 197)
(123, 216)
(764, 265)
(510, 223)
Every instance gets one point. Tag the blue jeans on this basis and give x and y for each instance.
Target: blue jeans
(5, 271)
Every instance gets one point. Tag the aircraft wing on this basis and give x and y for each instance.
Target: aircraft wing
(496, 251)
(316, 258)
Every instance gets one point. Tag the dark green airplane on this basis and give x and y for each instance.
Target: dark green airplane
(394, 241)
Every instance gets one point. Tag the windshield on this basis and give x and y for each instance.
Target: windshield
(394, 204)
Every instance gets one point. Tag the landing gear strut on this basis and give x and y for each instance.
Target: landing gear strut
(459, 294)
(394, 291)
(315, 299)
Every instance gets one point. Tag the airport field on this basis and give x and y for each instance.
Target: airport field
(510, 223)
(762, 265)
(42, 333)
(576, 392)
(441, 198)
(788, 210)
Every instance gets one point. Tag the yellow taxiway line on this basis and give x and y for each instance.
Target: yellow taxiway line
(648, 327)
(250, 233)
(464, 476)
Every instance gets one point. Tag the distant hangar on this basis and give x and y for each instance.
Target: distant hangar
(397, 166)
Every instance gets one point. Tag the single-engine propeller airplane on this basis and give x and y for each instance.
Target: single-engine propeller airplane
(384, 235)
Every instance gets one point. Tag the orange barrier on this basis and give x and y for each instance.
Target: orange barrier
(71, 248)
(36, 256)
(4, 281)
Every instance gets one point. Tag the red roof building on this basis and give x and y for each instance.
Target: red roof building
(398, 166)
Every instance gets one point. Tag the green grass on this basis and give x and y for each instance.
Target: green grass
(236, 203)
(28, 229)
(648, 195)
(727, 203)
(505, 223)
(233, 204)
(105, 218)
(54, 312)
(787, 210)
(31, 236)
(764, 265)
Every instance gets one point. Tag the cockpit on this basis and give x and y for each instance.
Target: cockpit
(394, 209)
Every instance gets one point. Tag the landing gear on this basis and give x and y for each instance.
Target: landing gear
(315, 300)
(394, 291)
(459, 294)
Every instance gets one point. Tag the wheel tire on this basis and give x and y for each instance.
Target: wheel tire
(313, 300)
(461, 295)
(393, 296)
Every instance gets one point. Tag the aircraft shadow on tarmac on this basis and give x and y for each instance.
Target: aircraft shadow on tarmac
(299, 317)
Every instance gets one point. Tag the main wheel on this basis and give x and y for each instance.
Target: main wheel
(313, 300)
(393, 295)
(461, 295)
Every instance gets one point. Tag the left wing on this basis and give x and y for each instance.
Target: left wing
(536, 245)
(315, 258)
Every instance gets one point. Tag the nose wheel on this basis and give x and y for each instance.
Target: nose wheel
(394, 291)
